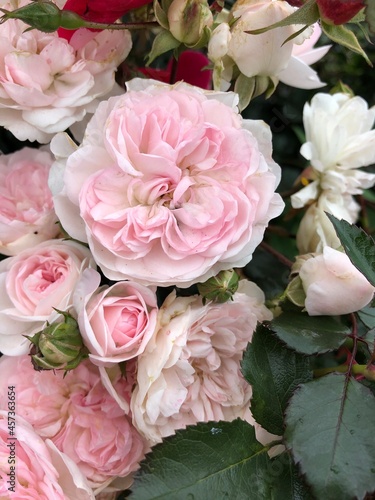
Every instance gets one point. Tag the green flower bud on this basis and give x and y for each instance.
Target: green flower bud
(188, 20)
(58, 346)
(220, 288)
(44, 16)
(342, 88)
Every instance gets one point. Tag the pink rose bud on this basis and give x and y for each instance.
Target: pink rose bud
(333, 286)
(116, 322)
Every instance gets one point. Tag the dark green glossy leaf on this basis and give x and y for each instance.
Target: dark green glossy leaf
(274, 372)
(367, 316)
(370, 340)
(309, 334)
(330, 429)
(287, 482)
(359, 246)
(217, 460)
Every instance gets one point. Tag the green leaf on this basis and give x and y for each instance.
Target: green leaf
(310, 334)
(295, 292)
(370, 340)
(359, 246)
(161, 15)
(274, 372)
(345, 37)
(220, 460)
(367, 316)
(370, 15)
(287, 482)
(330, 428)
(306, 15)
(163, 42)
(248, 88)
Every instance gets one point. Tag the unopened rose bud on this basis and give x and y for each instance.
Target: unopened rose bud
(188, 19)
(219, 40)
(332, 284)
(339, 11)
(220, 288)
(342, 88)
(58, 346)
(44, 16)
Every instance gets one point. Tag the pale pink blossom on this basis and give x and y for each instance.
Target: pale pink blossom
(39, 470)
(32, 284)
(272, 54)
(27, 216)
(265, 54)
(48, 83)
(172, 186)
(190, 370)
(298, 72)
(333, 285)
(115, 322)
(78, 415)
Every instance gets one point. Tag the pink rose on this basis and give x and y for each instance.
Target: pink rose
(39, 470)
(27, 216)
(172, 185)
(78, 415)
(190, 370)
(333, 285)
(32, 284)
(48, 83)
(115, 322)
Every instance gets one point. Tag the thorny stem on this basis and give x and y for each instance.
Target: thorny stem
(122, 26)
(350, 367)
(277, 254)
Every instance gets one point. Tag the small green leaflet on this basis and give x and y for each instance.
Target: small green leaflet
(345, 37)
(359, 246)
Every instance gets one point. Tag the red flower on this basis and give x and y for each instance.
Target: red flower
(339, 11)
(189, 68)
(100, 11)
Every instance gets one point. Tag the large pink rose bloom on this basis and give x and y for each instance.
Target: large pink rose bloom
(190, 370)
(27, 216)
(172, 185)
(115, 322)
(48, 83)
(32, 284)
(39, 470)
(78, 415)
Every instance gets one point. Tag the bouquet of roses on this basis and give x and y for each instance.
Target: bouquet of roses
(173, 323)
